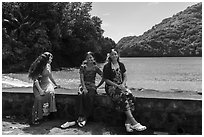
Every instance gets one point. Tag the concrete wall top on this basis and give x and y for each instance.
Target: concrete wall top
(136, 93)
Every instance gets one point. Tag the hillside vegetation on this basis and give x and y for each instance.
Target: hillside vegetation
(179, 35)
(66, 29)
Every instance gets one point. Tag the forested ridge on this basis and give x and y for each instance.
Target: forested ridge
(179, 35)
(66, 29)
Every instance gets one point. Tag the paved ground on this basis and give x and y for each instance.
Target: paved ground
(10, 126)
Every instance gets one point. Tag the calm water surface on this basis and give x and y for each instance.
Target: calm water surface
(170, 73)
(164, 74)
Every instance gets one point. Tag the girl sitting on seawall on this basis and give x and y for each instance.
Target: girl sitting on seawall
(43, 89)
(87, 90)
(114, 74)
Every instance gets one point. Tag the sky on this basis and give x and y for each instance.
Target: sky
(121, 19)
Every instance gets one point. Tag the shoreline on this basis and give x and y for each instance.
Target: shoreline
(9, 82)
(13, 82)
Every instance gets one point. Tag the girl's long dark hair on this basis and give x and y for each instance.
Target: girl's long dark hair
(38, 65)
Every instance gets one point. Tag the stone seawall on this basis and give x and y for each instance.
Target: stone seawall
(175, 113)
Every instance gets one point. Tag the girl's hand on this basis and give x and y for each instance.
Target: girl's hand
(129, 91)
(57, 86)
(122, 88)
(123, 85)
(85, 90)
(42, 93)
(97, 87)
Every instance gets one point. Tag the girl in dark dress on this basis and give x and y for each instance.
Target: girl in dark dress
(114, 74)
(87, 90)
(88, 71)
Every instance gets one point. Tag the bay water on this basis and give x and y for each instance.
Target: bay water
(163, 74)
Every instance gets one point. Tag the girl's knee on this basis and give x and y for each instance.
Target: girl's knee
(92, 92)
(39, 98)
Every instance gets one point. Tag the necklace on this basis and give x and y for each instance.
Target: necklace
(115, 66)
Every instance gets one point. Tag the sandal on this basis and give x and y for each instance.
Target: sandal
(138, 127)
(128, 127)
(82, 123)
(36, 123)
(68, 124)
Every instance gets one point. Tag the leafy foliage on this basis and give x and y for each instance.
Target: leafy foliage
(180, 35)
(66, 29)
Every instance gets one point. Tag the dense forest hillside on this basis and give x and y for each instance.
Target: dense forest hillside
(66, 29)
(179, 35)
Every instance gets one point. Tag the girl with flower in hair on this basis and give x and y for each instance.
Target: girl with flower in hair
(43, 88)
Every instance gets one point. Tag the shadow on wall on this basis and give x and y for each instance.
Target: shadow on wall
(175, 116)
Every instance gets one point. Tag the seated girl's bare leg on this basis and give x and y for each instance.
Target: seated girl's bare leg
(130, 117)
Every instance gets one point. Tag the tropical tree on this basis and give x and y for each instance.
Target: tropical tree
(66, 29)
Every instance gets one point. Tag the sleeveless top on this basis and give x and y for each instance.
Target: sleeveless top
(89, 74)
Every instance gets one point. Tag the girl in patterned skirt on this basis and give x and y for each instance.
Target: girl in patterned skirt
(114, 74)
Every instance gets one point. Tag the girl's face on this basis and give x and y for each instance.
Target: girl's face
(114, 55)
(89, 58)
(50, 59)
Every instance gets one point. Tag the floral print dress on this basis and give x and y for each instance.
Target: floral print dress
(122, 101)
(45, 104)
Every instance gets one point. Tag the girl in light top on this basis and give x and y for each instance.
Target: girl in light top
(43, 88)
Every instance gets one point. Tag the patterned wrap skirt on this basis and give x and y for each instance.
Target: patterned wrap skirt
(122, 101)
